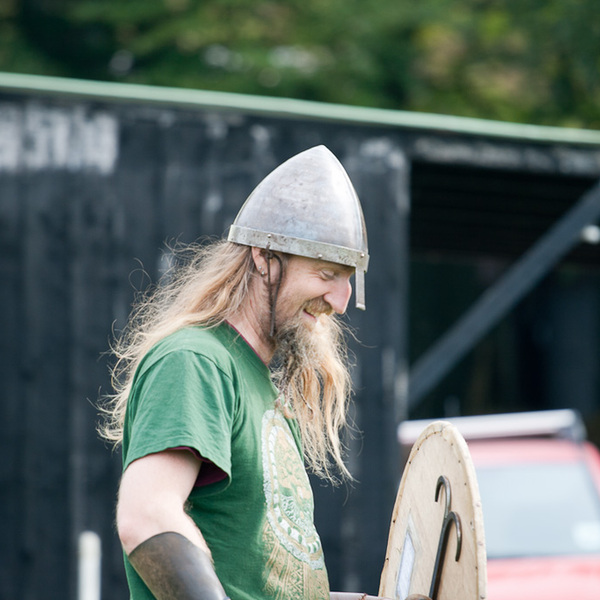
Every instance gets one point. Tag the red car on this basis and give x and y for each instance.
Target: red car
(539, 482)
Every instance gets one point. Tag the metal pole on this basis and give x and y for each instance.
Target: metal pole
(90, 563)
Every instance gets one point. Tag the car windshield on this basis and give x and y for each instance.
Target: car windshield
(539, 509)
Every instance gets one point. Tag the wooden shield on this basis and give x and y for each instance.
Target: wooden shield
(425, 530)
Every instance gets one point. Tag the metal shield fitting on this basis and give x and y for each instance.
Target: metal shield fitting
(308, 207)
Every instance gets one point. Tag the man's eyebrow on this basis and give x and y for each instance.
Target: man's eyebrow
(324, 264)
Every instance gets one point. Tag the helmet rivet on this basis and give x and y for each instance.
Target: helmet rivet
(319, 256)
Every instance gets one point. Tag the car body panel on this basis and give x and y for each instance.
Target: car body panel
(556, 576)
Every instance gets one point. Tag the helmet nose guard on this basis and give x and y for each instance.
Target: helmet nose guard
(308, 207)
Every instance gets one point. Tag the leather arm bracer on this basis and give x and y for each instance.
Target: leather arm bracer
(175, 569)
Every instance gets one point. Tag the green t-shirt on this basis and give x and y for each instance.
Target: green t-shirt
(206, 389)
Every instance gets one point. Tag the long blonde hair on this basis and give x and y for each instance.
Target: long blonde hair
(318, 395)
(208, 287)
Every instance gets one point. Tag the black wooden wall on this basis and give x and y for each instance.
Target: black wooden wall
(89, 193)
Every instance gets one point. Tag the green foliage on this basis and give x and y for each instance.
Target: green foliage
(534, 61)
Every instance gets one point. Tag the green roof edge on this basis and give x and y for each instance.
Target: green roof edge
(292, 108)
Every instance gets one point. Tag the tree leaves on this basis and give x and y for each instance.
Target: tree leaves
(533, 61)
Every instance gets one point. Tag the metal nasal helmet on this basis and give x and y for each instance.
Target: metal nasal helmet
(308, 207)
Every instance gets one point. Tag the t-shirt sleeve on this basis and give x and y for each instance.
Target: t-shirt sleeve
(182, 400)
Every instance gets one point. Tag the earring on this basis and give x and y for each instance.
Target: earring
(262, 271)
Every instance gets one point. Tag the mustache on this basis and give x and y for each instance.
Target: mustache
(318, 307)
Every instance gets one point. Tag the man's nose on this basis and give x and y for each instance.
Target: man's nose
(339, 295)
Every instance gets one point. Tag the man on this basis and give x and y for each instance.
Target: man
(214, 500)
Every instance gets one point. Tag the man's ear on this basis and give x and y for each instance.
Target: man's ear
(259, 259)
(265, 260)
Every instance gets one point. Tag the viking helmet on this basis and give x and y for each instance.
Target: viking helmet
(308, 207)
